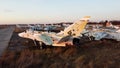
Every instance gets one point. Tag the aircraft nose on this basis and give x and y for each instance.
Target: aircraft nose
(20, 34)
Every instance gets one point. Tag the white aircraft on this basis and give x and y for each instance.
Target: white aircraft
(67, 37)
(36, 27)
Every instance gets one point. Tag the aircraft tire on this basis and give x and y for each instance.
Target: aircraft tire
(76, 42)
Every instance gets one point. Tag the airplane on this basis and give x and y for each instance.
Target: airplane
(69, 36)
(49, 28)
(35, 27)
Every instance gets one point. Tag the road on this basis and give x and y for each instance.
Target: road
(5, 35)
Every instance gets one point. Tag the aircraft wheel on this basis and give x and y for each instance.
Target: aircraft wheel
(92, 38)
(39, 44)
(76, 41)
(42, 45)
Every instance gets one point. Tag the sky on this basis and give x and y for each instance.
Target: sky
(55, 11)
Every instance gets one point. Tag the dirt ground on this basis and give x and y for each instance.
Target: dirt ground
(21, 53)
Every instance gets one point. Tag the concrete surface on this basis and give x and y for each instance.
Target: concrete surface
(5, 35)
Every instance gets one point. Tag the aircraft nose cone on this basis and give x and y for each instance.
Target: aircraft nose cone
(20, 34)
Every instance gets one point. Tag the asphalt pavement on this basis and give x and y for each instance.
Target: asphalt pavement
(5, 35)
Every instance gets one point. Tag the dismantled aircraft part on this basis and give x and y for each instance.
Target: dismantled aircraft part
(40, 44)
(115, 36)
(35, 42)
(99, 35)
(44, 38)
(107, 39)
(87, 36)
(76, 28)
(64, 39)
(91, 38)
(26, 35)
(107, 35)
(80, 40)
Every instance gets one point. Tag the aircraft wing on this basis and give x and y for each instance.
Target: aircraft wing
(99, 35)
(107, 35)
(115, 36)
(65, 39)
(43, 38)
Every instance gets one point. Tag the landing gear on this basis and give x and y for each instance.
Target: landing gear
(81, 40)
(39, 44)
(91, 38)
(35, 42)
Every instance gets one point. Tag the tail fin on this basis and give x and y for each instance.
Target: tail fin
(76, 28)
